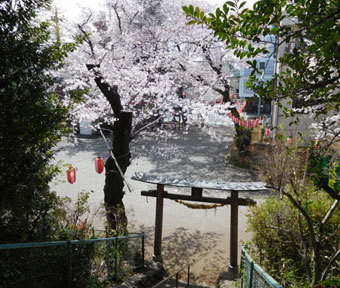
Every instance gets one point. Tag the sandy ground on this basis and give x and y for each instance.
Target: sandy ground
(200, 237)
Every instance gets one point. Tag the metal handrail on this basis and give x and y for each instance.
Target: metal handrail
(255, 267)
(175, 274)
(65, 243)
(68, 244)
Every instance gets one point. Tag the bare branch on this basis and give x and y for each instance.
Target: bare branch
(329, 265)
(87, 39)
(134, 96)
(328, 215)
(304, 214)
(118, 18)
(133, 17)
(144, 124)
(305, 249)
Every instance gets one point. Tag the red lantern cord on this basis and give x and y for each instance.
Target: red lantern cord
(71, 175)
(99, 164)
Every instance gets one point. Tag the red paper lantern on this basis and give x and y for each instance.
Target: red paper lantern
(249, 124)
(99, 164)
(71, 175)
(244, 123)
(266, 132)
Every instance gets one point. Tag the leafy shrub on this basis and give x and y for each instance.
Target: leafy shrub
(278, 229)
(243, 139)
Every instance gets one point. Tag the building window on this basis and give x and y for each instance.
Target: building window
(262, 65)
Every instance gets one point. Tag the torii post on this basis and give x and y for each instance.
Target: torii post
(197, 195)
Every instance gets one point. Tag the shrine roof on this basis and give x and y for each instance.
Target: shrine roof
(187, 182)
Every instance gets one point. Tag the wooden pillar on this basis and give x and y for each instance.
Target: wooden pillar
(196, 192)
(157, 248)
(233, 267)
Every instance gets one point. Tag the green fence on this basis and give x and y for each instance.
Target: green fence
(253, 276)
(71, 264)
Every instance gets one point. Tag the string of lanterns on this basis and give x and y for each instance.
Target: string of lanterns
(248, 123)
(72, 174)
(99, 162)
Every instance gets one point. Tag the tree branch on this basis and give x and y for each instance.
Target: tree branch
(110, 93)
(118, 18)
(329, 265)
(305, 249)
(328, 216)
(144, 124)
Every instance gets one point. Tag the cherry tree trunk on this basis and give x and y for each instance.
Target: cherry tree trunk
(114, 184)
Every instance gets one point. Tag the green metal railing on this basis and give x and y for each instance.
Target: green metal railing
(71, 264)
(167, 281)
(253, 276)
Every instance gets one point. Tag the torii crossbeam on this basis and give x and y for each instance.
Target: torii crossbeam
(197, 196)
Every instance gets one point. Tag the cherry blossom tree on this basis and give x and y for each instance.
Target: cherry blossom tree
(141, 58)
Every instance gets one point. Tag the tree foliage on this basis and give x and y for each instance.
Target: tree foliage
(305, 224)
(150, 60)
(32, 119)
(136, 60)
(277, 231)
(305, 35)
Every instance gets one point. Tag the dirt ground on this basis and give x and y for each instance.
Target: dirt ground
(199, 237)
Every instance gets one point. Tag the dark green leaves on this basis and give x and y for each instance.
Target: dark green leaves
(32, 120)
(307, 32)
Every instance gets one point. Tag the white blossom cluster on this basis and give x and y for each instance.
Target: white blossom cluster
(148, 51)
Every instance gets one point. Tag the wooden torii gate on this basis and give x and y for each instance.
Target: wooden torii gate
(197, 196)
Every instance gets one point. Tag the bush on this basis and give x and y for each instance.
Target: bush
(32, 120)
(278, 228)
(243, 139)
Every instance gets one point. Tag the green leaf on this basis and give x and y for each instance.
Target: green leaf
(225, 9)
(218, 12)
(242, 4)
(275, 30)
(191, 10)
(197, 12)
(231, 3)
(191, 22)
(185, 9)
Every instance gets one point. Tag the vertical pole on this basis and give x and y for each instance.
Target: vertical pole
(116, 258)
(250, 284)
(242, 267)
(233, 231)
(69, 264)
(157, 249)
(188, 275)
(177, 279)
(143, 248)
